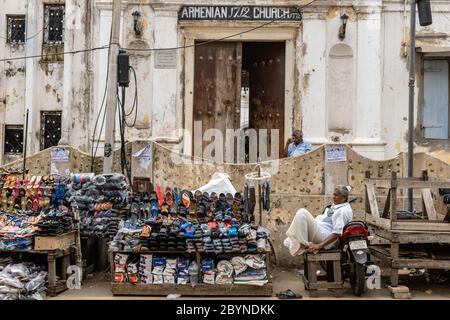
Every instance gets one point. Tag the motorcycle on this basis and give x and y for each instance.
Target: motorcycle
(355, 255)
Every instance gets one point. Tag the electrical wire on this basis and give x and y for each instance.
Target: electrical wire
(164, 49)
(94, 153)
(135, 102)
(52, 54)
(217, 40)
(123, 163)
(35, 35)
(31, 37)
(135, 90)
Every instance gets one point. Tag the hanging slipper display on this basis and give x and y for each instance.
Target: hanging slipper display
(160, 196)
(186, 199)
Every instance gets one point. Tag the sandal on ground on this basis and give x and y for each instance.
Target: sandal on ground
(288, 294)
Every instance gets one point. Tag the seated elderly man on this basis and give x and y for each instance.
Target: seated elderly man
(307, 233)
(296, 146)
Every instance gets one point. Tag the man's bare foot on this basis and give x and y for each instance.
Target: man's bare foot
(301, 250)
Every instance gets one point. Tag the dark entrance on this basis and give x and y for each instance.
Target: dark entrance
(240, 85)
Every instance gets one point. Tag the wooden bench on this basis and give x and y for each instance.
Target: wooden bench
(332, 259)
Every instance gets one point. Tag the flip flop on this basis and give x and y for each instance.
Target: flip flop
(288, 294)
(165, 209)
(230, 199)
(176, 195)
(31, 182)
(154, 207)
(169, 197)
(160, 196)
(37, 183)
(182, 211)
(185, 198)
(198, 195)
(153, 196)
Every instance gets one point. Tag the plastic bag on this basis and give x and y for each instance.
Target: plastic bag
(19, 270)
(193, 273)
(7, 280)
(37, 282)
(220, 183)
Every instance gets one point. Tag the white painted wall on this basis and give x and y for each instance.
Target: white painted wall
(375, 32)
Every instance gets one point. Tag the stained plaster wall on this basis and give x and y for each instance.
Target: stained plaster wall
(377, 33)
(395, 29)
(35, 84)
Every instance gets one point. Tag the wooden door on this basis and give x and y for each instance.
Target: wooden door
(217, 87)
(265, 62)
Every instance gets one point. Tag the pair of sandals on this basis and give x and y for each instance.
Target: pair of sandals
(146, 231)
(10, 181)
(34, 183)
(105, 206)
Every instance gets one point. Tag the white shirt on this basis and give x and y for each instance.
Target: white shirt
(334, 219)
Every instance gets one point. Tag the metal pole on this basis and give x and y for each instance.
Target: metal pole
(25, 147)
(260, 198)
(111, 103)
(412, 83)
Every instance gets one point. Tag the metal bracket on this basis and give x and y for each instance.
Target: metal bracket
(108, 150)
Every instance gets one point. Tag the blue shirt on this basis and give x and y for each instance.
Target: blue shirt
(300, 149)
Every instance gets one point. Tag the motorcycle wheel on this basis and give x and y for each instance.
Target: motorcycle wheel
(358, 279)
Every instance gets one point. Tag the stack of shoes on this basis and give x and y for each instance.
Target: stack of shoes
(190, 246)
(227, 245)
(100, 200)
(252, 244)
(54, 223)
(235, 244)
(208, 244)
(198, 240)
(188, 223)
(128, 236)
(172, 238)
(262, 239)
(163, 239)
(153, 241)
(218, 247)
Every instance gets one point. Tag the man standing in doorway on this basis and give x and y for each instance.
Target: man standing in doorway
(296, 146)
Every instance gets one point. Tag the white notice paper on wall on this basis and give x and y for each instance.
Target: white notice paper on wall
(335, 154)
(60, 155)
(144, 156)
(166, 59)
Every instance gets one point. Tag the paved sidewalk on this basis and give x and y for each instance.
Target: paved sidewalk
(97, 287)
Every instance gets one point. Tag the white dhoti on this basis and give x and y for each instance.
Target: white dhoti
(303, 230)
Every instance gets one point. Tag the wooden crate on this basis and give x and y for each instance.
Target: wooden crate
(60, 242)
(201, 289)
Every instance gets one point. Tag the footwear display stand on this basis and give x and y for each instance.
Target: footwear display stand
(258, 178)
(57, 251)
(200, 289)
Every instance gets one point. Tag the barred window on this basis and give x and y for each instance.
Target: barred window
(54, 24)
(15, 29)
(50, 129)
(13, 139)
